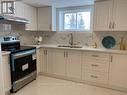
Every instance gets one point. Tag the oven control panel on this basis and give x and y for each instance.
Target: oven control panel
(9, 39)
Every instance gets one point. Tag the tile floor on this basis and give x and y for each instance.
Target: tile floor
(51, 86)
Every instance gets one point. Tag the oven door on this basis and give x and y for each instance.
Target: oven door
(22, 64)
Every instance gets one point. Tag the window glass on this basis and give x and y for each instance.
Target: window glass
(70, 21)
(83, 20)
(75, 19)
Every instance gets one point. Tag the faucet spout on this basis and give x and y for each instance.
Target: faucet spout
(71, 42)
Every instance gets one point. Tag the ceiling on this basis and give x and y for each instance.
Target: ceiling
(38, 3)
(41, 3)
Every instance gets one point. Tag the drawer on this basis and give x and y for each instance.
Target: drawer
(103, 61)
(96, 77)
(96, 66)
(96, 55)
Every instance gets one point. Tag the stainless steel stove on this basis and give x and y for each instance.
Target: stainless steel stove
(22, 62)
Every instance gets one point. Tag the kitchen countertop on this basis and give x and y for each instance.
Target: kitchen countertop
(83, 49)
(5, 53)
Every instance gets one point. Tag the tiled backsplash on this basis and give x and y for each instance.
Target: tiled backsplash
(86, 39)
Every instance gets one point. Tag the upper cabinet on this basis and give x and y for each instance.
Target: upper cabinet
(110, 15)
(30, 13)
(44, 19)
(25, 11)
(19, 9)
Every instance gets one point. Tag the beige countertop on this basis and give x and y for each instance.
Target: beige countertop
(83, 49)
(5, 53)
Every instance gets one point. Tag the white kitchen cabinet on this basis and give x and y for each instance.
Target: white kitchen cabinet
(30, 13)
(74, 63)
(68, 63)
(47, 61)
(44, 19)
(0, 6)
(59, 67)
(102, 15)
(7, 74)
(95, 67)
(120, 15)
(39, 59)
(19, 9)
(110, 15)
(118, 70)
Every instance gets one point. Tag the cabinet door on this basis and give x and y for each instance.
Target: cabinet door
(47, 64)
(45, 19)
(50, 61)
(59, 67)
(120, 15)
(7, 74)
(44, 61)
(0, 6)
(74, 64)
(39, 60)
(102, 15)
(30, 13)
(118, 70)
(19, 9)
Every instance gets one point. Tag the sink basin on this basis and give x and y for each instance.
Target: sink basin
(70, 46)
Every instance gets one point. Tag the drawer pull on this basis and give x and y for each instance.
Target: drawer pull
(111, 58)
(92, 76)
(95, 55)
(94, 65)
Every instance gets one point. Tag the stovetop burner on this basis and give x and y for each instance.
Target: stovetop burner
(22, 48)
(12, 44)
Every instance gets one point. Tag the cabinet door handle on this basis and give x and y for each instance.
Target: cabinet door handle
(50, 26)
(113, 26)
(66, 54)
(111, 58)
(93, 76)
(95, 55)
(110, 24)
(45, 52)
(94, 65)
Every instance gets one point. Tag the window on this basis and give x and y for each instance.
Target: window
(75, 19)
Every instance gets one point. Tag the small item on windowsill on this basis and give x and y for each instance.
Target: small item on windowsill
(94, 45)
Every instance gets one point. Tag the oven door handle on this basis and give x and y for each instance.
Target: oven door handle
(23, 54)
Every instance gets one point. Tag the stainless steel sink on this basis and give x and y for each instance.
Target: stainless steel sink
(70, 46)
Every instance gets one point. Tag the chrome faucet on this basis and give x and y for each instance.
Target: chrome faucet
(71, 41)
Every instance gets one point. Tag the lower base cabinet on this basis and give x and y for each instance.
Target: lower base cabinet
(108, 70)
(95, 67)
(67, 63)
(59, 66)
(74, 62)
(118, 70)
(47, 61)
(6, 71)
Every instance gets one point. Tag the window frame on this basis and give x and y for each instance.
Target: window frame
(76, 9)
